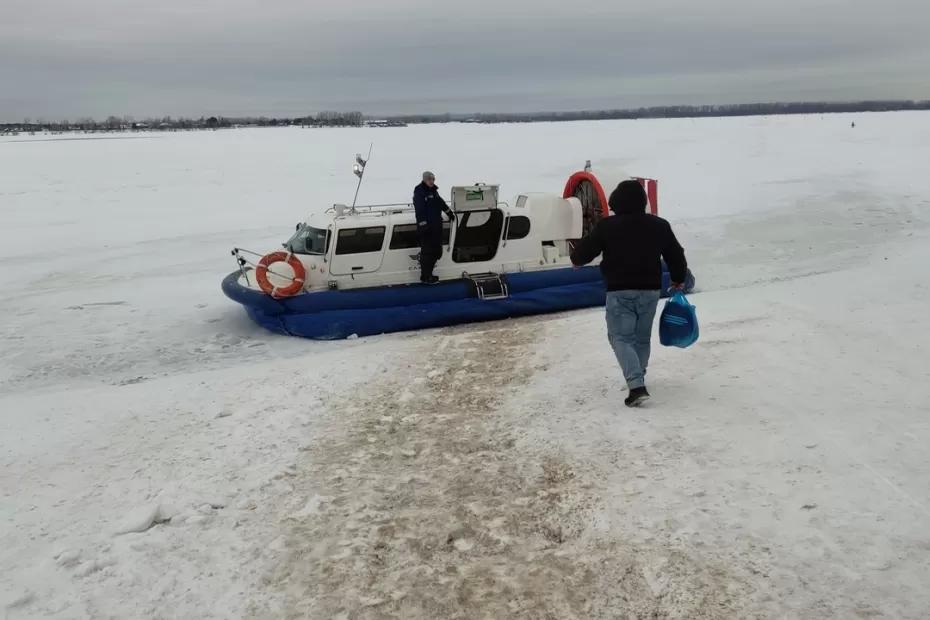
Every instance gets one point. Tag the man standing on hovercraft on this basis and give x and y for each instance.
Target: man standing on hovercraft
(428, 204)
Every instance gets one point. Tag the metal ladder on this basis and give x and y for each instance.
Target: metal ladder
(488, 285)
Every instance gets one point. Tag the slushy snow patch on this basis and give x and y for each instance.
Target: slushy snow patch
(145, 517)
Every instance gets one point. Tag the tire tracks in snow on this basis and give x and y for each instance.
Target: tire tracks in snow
(419, 505)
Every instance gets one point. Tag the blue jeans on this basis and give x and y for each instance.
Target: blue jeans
(629, 329)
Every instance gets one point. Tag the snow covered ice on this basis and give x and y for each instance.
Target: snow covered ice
(164, 457)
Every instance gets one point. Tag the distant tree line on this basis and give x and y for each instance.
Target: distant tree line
(681, 111)
(336, 119)
(357, 119)
(116, 123)
(421, 119)
(167, 123)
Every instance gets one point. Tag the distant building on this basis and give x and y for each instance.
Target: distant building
(385, 123)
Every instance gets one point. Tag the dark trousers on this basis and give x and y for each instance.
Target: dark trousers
(429, 254)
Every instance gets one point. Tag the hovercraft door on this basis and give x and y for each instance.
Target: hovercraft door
(477, 236)
(358, 250)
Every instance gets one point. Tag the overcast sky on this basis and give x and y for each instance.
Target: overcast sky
(72, 58)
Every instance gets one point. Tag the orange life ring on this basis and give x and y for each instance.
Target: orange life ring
(261, 274)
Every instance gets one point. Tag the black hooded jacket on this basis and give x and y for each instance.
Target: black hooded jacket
(632, 242)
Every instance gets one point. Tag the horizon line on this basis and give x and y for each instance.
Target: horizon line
(892, 104)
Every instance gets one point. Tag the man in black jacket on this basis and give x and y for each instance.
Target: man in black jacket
(633, 243)
(428, 204)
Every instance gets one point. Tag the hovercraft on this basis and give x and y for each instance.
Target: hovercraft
(354, 271)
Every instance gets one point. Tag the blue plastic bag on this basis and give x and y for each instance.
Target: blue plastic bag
(678, 325)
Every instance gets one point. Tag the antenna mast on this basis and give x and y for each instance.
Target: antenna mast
(359, 170)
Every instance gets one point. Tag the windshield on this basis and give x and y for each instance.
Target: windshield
(309, 240)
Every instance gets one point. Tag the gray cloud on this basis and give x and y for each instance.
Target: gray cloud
(60, 59)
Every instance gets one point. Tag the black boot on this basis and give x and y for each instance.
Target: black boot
(636, 397)
(429, 279)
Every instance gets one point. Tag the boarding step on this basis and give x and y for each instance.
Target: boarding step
(488, 285)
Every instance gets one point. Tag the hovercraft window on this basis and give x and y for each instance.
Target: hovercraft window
(309, 240)
(360, 240)
(518, 228)
(404, 236)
